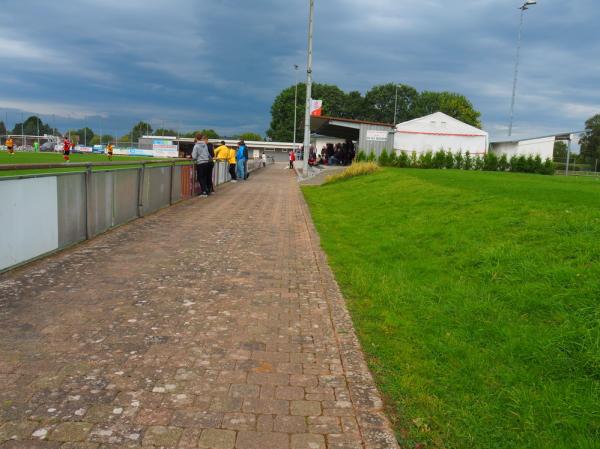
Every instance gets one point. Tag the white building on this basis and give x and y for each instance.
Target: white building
(439, 131)
(542, 146)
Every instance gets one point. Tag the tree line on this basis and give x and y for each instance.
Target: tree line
(35, 126)
(380, 104)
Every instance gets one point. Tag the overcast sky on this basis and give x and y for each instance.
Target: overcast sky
(219, 64)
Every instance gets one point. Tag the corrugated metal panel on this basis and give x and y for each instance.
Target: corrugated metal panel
(101, 202)
(176, 184)
(156, 188)
(369, 146)
(71, 209)
(125, 203)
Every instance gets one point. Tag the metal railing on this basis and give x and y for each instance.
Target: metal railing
(73, 206)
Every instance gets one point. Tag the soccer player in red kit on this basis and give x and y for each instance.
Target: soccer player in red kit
(67, 149)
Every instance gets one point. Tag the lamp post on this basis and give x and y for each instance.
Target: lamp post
(296, 67)
(523, 8)
(308, 88)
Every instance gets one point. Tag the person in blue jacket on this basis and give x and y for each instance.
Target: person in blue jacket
(242, 161)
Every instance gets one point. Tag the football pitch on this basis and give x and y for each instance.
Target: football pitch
(57, 158)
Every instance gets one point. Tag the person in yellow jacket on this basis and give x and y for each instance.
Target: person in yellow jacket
(232, 164)
(221, 152)
(109, 151)
(10, 146)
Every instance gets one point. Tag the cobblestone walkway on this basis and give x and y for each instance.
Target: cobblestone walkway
(213, 324)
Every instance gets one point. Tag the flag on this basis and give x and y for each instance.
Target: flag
(316, 107)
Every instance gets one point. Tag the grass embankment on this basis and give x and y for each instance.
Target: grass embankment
(476, 297)
(57, 158)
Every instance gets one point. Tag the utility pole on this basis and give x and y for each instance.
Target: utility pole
(523, 8)
(308, 89)
(295, 105)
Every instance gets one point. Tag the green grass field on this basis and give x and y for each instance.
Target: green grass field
(57, 158)
(476, 297)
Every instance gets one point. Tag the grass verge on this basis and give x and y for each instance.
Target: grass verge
(356, 169)
(476, 298)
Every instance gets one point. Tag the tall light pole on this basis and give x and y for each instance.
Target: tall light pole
(523, 8)
(308, 88)
(296, 67)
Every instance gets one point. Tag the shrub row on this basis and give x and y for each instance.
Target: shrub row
(447, 159)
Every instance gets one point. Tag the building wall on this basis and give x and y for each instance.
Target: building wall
(544, 147)
(421, 143)
(367, 143)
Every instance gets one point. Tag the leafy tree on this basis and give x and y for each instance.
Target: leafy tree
(560, 150)
(380, 100)
(104, 139)
(250, 136)
(83, 135)
(164, 132)
(354, 106)
(282, 110)
(455, 105)
(590, 143)
(140, 129)
(31, 126)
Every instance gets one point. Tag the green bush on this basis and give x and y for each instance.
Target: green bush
(371, 157)
(549, 168)
(490, 162)
(478, 163)
(449, 160)
(468, 163)
(403, 160)
(414, 161)
(384, 158)
(361, 156)
(503, 164)
(439, 159)
(393, 159)
(426, 160)
(459, 160)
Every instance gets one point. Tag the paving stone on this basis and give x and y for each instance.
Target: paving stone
(305, 408)
(239, 421)
(71, 431)
(162, 436)
(290, 424)
(31, 444)
(324, 424)
(150, 417)
(17, 430)
(262, 440)
(244, 391)
(266, 406)
(217, 439)
(289, 393)
(308, 441)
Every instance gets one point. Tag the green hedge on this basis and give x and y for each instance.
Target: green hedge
(446, 159)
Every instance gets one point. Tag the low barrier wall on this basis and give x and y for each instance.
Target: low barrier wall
(40, 214)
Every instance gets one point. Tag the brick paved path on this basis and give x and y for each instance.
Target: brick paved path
(213, 324)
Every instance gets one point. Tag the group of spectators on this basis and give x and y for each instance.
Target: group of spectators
(205, 156)
(338, 154)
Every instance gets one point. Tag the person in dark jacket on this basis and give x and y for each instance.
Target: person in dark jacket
(203, 160)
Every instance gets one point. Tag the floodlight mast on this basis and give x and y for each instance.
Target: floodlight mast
(308, 89)
(523, 8)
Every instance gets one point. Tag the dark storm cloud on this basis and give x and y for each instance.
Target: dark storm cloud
(195, 64)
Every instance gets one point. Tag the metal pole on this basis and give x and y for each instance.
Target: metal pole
(22, 131)
(516, 75)
(308, 88)
(568, 157)
(396, 105)
(295, 105)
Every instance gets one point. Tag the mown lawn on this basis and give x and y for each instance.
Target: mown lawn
(57, 158)
(476, 297)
